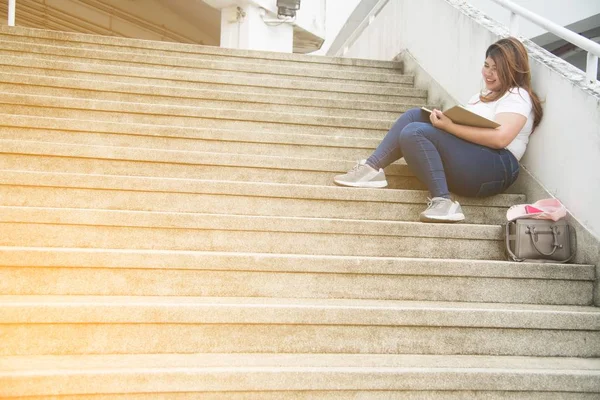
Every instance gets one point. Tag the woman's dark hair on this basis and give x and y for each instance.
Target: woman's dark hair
(512, 66)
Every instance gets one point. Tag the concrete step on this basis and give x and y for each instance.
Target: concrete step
(136, 46)
(328, 377)
(44, 62)
(109, 92)
(239, 68)
(104, 272)
(58, 227)
(245, 131)
(114, 160)
(216, 232)
(239, 71)
(39, 189)
(183, 96)
(89, 109)
(200, 140)
(207, 81)
(148, 324)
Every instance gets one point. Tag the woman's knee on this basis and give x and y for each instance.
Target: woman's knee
(415, 114)
(418, 130)
(412, 132)
(410, 116)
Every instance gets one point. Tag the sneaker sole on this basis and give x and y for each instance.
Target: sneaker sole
(361, 184)
(447, 218)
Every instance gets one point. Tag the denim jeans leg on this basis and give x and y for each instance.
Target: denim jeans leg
(423, 158)
(389, 150)
(468, 169)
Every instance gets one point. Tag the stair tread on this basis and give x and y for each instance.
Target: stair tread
(185, 156)
(221, 100)
(178, 93)
(285, 135)
(180, 114)
(246, 66)
(512, 364)
(259, 189)
(180, 259)
(264, 374)
(276, 303)
(189, 48)
(26, 309)
(189, 77)
(203, 221)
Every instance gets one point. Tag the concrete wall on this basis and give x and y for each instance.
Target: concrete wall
(448, 39)
(336, 14)
(308, 26)
(431, 31)
(310, 17)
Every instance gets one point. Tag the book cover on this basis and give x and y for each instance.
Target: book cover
(460, 115)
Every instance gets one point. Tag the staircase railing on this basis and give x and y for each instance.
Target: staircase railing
(592, 48)
(11, 12)
(366, 19)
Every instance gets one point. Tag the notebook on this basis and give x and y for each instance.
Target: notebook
(462, 116)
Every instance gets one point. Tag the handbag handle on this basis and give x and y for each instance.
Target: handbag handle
(507, 241)
(533, 234)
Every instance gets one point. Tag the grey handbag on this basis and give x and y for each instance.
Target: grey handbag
(539, 240)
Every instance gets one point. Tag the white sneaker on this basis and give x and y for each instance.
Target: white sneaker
(363, 176)
(442, 210)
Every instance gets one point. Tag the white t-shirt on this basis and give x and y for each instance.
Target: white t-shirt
(515, 100)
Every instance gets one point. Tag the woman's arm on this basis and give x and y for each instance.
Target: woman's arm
(510, 126)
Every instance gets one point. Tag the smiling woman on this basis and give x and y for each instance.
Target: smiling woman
(466, 160)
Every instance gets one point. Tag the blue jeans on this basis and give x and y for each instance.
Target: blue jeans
(444, 162)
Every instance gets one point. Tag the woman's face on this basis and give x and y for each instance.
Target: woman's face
(490, 75)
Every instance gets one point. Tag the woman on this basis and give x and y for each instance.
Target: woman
(469, 161)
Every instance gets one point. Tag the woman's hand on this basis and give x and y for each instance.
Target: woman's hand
(510, 126)
(440, 121)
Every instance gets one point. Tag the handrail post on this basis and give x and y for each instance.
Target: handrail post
(591, 69)
(514, 23)
(11, 12)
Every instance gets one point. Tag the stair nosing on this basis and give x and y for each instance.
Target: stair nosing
(232, 188)
(51, 257)
(27, 309)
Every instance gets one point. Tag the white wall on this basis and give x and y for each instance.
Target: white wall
(448, 38)
(336, 14)
(562, 12)
(310, 17)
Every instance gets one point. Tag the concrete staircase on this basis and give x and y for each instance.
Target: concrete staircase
(170, 231)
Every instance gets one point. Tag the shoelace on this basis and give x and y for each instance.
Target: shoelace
(431, 203)
(356, 167)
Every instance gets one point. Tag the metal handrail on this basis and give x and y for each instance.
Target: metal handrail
(592, 48)
(11, 12)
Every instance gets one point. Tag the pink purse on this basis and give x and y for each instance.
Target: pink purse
(541, 209)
